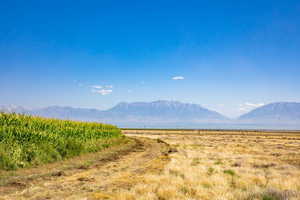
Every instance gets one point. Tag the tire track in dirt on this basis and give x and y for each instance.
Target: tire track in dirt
(100, 180)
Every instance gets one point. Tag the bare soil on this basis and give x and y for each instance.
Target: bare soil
(94, 176)
(192, 165)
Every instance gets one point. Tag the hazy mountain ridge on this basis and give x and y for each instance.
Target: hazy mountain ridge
(157, 111)
(174, 114)
(67, 113)
(280, 112)
(13, 108)
(166, 109)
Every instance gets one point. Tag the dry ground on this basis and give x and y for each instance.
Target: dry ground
(94, 176)
(207, 165)
(226, 165)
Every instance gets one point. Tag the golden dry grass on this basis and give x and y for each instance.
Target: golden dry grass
(225, 166)
(121, 167)
(206, 166)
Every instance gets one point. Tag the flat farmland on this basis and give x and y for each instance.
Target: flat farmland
(244, 165)
(170, 165)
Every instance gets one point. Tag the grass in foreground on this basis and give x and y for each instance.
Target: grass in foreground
(29, 141)
(227, 167)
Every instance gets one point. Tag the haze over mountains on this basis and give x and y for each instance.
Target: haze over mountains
(165, 110)
(281, 112)
(173, 114)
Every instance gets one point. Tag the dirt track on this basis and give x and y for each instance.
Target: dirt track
(98, 181)
(229, 166)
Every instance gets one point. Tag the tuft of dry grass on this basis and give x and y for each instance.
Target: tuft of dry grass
(199, 166)
(227, 167)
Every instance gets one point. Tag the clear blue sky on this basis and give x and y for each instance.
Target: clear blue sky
(233, 55)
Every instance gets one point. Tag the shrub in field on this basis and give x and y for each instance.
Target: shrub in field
(27, 140)
(232, 174)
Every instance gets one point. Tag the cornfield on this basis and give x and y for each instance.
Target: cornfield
(27, 140)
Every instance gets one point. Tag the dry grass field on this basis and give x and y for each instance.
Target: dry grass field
(90, 176)
(225, 165)
(208, 165)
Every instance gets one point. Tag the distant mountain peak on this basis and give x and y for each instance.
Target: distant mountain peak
(12, 108)
(164, 113)
(165, 110)
(278, 112)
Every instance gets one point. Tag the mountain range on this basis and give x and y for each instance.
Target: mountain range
(281, 112)
(174, 114)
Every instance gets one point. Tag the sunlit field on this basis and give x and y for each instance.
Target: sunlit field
(172, 165)
(224, 165)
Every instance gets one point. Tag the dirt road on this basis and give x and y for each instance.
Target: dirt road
(209, 166)
(98, 181)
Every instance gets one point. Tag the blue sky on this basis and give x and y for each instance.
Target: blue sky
(229, 56)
